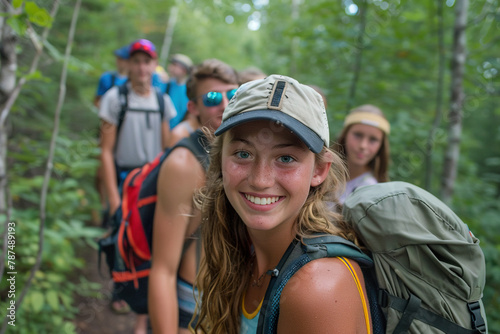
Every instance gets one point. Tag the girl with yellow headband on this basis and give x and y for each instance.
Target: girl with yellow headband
(364, 145)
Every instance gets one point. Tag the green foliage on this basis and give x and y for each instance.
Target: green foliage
(70, 199)
(32, 13)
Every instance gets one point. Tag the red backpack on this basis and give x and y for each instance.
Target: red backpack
(128, 248)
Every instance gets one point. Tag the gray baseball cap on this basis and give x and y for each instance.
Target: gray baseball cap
(284, 100)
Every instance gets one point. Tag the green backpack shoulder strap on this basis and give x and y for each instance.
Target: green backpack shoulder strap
(296, 256)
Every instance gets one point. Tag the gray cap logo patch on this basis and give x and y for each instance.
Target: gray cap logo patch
(276, 99)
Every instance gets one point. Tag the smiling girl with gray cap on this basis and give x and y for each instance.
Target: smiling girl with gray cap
(270, 173)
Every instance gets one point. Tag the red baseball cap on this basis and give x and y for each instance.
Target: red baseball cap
(143, 45)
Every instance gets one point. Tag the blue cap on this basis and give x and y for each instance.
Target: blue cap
(122, 52)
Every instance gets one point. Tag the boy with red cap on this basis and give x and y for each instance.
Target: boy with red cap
(133, 131)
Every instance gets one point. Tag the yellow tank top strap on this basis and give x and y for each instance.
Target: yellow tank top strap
(360, 290)
(245, 313)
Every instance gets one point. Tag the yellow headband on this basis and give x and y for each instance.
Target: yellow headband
(368, 119)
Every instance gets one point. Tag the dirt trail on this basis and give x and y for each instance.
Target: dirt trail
(95, 315)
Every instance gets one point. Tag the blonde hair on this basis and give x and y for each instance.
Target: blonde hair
(379, 165)
(225, 272)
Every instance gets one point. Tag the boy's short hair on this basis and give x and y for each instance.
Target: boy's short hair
(210, 68)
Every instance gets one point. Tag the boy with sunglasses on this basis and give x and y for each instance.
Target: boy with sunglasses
(193, 121)
(171, 301)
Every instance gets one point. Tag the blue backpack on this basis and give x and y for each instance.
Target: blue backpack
(424, 273)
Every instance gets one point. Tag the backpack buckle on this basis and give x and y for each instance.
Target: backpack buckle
(476, 317)
(383, 298)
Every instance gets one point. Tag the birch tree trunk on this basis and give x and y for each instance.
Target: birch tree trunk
(296, 39)
(7, 100)
(169, 35)
(8, 63)
(8, 66)
(439, 99)
(452, 153)
(49, 165)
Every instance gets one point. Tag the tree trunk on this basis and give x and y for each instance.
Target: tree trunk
(8, 66)
(452, 153)
(295, 40)
(8, 61)
(439, 99)
(359, 55)
(7, 100)
(169, 35)
(48, 171)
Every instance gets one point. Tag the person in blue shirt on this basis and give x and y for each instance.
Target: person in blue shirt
(178, 68)
(113, 78)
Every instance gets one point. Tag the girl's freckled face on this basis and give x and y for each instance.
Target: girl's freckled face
(267, 174)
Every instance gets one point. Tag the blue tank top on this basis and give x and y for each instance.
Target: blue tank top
(249, 321)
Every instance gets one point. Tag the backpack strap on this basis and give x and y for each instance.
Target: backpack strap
(167, 88)
(123, 98)
(161, 103)
(197, 144)
(410, 309)
(113, 78)
(296, 256)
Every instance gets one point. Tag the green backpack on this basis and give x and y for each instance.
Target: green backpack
(423, 253)
(428, 271)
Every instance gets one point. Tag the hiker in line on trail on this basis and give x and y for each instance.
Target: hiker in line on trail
(171, 301)
(270, 170)
(113, 78)
(178, 69)
(134, 127)
(107, 80)
(249, 74)
(364, 144)
(190, 123)
(143, 132)
(322, 93)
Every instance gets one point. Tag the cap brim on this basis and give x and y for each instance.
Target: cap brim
(308, 136)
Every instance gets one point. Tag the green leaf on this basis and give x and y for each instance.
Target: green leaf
(37, 300)
(31, 8)
(69, 328)
(17, 3)
(37, 75)
(56, 320)
(37, 15)
(18, 24)
(52, 299)
(67, 300)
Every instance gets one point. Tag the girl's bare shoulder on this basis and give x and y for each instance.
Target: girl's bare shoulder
(323, 294)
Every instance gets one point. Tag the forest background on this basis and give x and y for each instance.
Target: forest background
(402, 56)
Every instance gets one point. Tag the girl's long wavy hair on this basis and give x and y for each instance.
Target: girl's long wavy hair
(379, 165)
(225, 269)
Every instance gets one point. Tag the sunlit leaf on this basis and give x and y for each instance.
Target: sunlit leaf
(17, 3)
(52, 299)
(37, 301)
(37, 15)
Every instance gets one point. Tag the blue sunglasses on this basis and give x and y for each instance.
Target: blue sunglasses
(212, 99)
